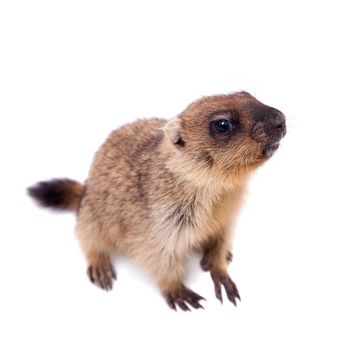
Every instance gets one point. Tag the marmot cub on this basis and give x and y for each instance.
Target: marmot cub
(158, 190)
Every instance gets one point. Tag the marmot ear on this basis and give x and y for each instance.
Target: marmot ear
(173, 131)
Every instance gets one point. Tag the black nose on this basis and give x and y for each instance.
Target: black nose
(276, 125)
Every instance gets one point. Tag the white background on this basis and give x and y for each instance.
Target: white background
(72, 71)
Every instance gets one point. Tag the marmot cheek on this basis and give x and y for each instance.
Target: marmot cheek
(258, 133)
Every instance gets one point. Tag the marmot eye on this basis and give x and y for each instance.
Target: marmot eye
(223, 126)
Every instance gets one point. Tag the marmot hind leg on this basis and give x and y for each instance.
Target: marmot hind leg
(101, 270)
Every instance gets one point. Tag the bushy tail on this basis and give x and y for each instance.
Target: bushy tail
(59, 194)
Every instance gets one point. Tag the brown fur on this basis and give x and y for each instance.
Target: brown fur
(159, 190)
(58, 194)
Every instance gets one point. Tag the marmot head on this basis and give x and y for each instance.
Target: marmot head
(232, 133)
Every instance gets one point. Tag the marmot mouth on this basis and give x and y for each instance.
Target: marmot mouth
(269, 150)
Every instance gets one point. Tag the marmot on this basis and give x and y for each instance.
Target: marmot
(159, 190)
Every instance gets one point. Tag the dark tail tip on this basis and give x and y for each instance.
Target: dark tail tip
(60, 194)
